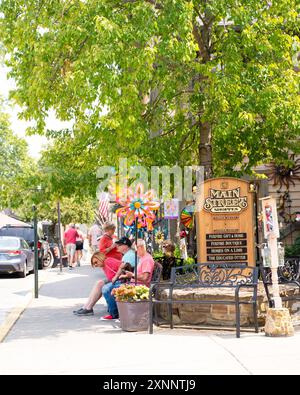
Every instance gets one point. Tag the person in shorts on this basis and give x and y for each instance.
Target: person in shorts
(70, 244)
(79, 245)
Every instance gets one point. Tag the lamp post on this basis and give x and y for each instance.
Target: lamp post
(36, 258)
(59, 237)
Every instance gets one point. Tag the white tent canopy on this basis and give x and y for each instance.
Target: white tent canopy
(6, 220)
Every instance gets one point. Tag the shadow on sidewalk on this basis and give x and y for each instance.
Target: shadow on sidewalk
(51, 322)
(74, 284)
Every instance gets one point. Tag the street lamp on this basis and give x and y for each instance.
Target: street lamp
(59, 237)
(36, 257)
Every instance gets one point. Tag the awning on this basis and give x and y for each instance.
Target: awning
(6, 220)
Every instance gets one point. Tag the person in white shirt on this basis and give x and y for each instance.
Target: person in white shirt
(93, 236)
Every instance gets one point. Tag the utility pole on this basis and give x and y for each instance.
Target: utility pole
(59, 237)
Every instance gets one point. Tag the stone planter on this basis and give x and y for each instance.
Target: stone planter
(134, 316)
(222, 315)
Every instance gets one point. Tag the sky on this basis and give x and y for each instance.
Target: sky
(36, 142)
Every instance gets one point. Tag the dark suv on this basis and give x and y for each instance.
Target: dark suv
(27, 233)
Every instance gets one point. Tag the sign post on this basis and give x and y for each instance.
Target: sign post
(271, 233)
(278, 320)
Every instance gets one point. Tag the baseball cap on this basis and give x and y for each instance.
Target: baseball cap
(124, 241)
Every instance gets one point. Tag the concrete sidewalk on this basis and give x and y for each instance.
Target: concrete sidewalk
(49, 339)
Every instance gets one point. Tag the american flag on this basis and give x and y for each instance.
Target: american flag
(103, 205)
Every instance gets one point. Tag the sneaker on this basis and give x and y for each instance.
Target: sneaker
(70, 267)
(107, 318)
(85, 312)
(78, 311)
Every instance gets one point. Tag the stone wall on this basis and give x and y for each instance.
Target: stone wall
(220, 314)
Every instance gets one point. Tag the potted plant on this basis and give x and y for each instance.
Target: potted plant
(133, 307)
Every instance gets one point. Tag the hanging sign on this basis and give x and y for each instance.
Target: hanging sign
(270, 220)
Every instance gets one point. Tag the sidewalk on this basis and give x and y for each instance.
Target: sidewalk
(49, 339)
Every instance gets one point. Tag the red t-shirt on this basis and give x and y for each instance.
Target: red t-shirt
(70, 236)
(104, 243)
(111, 266)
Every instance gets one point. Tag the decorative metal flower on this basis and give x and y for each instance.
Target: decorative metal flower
(138, 205)
(285, 175)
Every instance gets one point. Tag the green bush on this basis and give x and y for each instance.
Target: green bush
(293, 250)
(189, 261)
(157, 254)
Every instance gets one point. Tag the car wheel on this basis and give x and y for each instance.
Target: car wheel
(48, 262)
(23, 273)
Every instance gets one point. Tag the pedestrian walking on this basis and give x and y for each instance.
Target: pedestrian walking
(79, 245)
(70, 244)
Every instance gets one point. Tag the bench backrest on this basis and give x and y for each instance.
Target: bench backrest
(167, 262)
(214, 275)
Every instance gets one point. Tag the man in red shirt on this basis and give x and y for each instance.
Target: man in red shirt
(106, 243)
(70, 244)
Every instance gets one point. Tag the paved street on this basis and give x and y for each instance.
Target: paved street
(48, 332)
(15, 292)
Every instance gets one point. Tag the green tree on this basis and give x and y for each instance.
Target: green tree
(15, 166)
(212, 82)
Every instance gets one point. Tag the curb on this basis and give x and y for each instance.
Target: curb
(15, 314)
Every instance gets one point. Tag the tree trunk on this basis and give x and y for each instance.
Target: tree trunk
(202, 31)
(205, 149)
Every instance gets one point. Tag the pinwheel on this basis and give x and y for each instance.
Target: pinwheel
(137, 209)
(187, 216)
(137, 206)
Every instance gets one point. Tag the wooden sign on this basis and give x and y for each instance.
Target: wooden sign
(225, 222)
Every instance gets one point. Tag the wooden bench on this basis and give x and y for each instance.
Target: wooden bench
(207, 276)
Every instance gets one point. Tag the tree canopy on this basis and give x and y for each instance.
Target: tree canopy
(15, 165)
(210, 82)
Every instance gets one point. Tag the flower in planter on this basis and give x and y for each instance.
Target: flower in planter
(131, 293)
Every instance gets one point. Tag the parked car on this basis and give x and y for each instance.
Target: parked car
(45, 256)
(15, 256)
